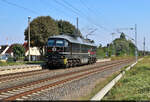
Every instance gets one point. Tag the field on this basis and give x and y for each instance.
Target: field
(135, 84)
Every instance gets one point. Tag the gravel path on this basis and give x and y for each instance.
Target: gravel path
(74, 89)
(17, 66)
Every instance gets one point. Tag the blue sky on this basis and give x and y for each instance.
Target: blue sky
(104, 15)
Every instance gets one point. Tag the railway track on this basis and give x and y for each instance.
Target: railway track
(21, 75)
(25, 90)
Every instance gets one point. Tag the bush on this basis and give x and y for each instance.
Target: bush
(20, 59)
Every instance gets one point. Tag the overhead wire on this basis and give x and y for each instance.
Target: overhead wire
(86, 16)
(74, 10)
(61, 4)
(16, 5)
(46, 3)
(90, 10)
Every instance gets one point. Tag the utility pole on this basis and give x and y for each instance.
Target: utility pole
(144, 47)
(112, 44)
(136, 54)
(77, 26)
(29, 37)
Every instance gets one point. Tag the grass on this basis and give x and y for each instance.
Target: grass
(11, 63)
(121, 57)
(19, 63)
(135, 84)
(34, 62)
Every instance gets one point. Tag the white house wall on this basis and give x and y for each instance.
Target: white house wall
(34, 51)
(5, 50)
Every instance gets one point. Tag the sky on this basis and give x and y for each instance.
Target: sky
(103, 16)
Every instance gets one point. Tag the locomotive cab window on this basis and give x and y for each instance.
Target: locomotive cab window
(60, 43)
(51, 42)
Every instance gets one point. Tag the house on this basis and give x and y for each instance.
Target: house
(3, 55)
(34, 52)
(7, 51)
(10, 50)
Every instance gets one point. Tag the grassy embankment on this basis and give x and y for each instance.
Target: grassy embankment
(135, 84)
(104, 82)
(101, 85)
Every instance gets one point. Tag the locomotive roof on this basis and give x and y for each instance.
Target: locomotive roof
(71, 39)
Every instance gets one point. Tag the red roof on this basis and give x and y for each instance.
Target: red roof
(25, 45)
(10, 49)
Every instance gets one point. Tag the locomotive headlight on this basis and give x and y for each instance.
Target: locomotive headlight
(62, 57)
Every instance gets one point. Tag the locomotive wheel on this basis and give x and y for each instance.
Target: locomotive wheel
(70, 63)
(89, 61)
(74, 63)
(78, 62)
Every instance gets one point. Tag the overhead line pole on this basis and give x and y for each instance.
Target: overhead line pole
(144, 47)
(113, 53)
(136, 54)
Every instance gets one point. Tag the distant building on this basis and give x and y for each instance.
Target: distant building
(10, 50)
(34, 52)
(7, 51)
(3, 55)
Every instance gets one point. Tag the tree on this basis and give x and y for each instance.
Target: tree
(122, 36)
(123, 46)
(41, 28)
(18, 50)
(66, 27)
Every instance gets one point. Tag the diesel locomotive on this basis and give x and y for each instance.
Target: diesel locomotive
(70, 51)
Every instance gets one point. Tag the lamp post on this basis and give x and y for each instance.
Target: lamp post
(29, 37)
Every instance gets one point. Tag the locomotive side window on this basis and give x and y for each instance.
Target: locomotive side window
(51, 42)
(66, 43)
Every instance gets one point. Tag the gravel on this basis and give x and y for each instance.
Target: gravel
(74, 89)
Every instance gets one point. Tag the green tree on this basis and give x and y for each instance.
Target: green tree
(123, 46)
(41, 28)
(122, 36)
(67, 28)
(120, 47)
(100, 52)
(18, 50)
